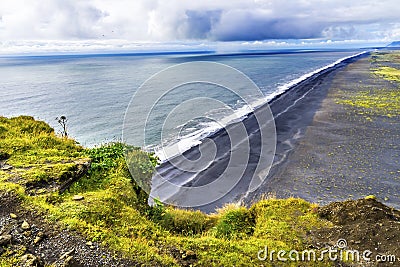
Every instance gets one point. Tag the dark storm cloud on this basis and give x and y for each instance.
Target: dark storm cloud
(249, 28)
(199, 24)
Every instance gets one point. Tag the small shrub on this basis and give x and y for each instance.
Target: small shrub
(104, 157)
(141, 166)
(185, 222)
(234, 222)
(156, 212)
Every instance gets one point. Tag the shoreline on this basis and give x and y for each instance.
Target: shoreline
(279, 106)
(281, 91)
(344, 152)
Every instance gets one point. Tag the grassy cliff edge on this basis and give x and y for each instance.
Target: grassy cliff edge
(105, 205)
(109, 210)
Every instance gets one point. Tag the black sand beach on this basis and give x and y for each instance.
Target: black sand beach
(338, 152)
(324, 153)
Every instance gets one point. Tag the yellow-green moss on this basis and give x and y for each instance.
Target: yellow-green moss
(384, 57)
(11, 258)
(381, 102)
(378, 101)
(114, 210)
(388, 73)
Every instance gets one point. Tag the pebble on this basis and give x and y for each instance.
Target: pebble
(67, 254)
(37, 239)
(13, 216)
(77, 197)
(25, 225)
(6, 167)
(27, 233)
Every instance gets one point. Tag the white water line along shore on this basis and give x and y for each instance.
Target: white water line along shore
(195, 138)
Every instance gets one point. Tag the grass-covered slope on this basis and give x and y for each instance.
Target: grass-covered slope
(113, 210)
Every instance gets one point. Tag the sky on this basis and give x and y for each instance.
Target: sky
(46, 25)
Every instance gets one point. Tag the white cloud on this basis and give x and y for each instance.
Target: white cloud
(210, 20)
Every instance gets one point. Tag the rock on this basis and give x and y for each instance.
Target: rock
(69, 262)
(25, 225)
(40, 234)
(81, 168)
(29, 260)
(27, 233)
(189, 255)
(83, 165)
(37, 239)
(90, 245)
(67, 254)
(77, 197)
(5, 239)
(6, 167)
(13, 216)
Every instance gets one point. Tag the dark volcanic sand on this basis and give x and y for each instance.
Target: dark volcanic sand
(341, 155)
(304, 166)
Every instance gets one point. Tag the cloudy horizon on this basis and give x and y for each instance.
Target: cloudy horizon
(56, 25)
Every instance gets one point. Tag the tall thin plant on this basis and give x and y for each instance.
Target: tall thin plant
(63, 122)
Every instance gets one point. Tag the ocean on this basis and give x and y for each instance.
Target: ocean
(94, 91)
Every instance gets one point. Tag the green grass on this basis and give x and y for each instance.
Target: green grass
(115, 213)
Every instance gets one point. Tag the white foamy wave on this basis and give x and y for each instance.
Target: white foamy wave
(184, 143)
(167, 151)
(287, 86)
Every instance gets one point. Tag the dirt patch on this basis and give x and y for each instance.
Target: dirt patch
(364, 224)
(49, 243)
